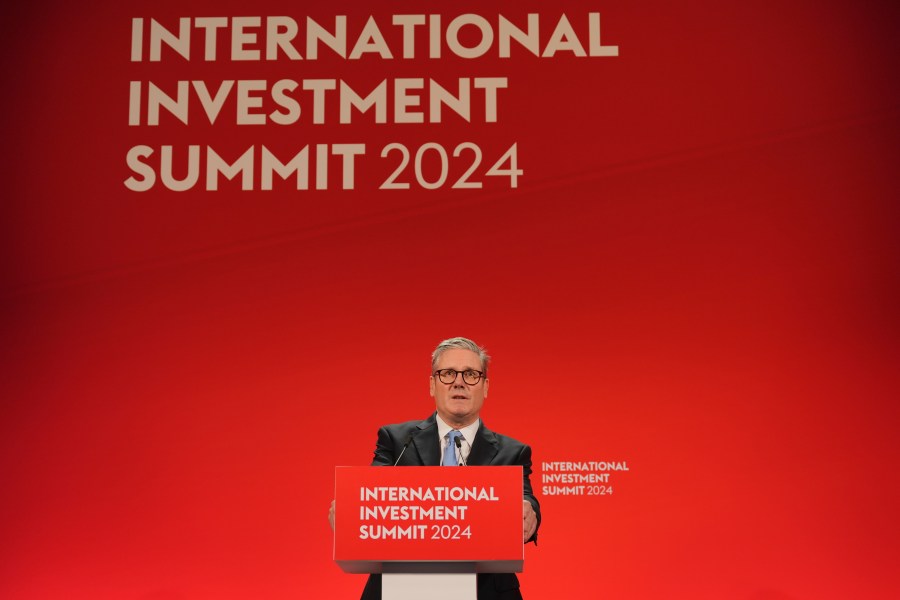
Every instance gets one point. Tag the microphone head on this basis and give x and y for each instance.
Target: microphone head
(458, 441)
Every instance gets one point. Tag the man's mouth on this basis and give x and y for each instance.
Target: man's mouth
(459, 397)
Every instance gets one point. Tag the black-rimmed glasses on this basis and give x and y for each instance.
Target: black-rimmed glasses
(470, 376)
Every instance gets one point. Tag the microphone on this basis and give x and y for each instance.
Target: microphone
(409, 439)
(459, 447)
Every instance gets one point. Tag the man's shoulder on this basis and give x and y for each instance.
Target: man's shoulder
(499, 438)
(410, 426)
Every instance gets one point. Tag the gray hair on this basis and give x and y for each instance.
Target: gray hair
(465, 344)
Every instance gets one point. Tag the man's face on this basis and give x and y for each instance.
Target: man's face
(458, 403)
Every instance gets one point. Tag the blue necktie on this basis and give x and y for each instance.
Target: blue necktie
(450, 450)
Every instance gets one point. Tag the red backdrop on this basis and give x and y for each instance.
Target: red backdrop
(697, 275)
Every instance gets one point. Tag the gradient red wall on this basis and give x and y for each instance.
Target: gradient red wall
(697, 274)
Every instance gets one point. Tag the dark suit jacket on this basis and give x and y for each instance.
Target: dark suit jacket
(424, 449)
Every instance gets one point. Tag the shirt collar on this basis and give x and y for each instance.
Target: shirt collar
(468, 432)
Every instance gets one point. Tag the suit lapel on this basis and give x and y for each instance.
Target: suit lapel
(484, 448)
(427, 443)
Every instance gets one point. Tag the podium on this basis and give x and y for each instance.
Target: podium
(428, 530)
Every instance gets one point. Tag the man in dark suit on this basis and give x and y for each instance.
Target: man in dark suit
(459, 384)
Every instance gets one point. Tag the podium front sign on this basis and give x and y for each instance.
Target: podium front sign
(428, 518)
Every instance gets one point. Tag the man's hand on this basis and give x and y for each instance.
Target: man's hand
(331, 515)
(529, 525)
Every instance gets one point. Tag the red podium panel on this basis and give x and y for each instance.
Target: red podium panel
(428, 519)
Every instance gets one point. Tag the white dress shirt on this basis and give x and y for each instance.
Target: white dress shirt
(468, 436)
